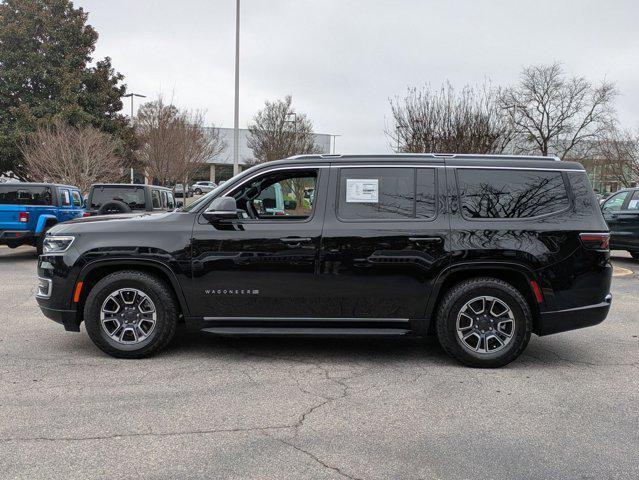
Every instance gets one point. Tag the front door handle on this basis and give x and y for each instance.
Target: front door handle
(424, 239)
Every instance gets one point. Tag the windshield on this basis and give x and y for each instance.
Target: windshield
(132, 196)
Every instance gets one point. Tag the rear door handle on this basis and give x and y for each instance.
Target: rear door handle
(295, 241)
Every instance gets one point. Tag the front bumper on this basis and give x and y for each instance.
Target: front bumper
(67, 318)
(16, 237)
(573, 318)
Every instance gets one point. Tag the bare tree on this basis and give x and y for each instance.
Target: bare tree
(616, 158)
(174, 144)
(76, 156)
(557, 115)
(278, 131)
(444, 120)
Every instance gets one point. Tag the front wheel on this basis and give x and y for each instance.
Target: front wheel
(484, 322)
(198, 191)
(130, 314)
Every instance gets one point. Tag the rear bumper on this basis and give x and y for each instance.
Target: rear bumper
(573, 318)
(67, 318)
(17, 237)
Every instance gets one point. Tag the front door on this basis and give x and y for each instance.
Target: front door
(263, 264)
(612, 210)
(384, 241)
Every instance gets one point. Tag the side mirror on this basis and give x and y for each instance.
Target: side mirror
(222, 208)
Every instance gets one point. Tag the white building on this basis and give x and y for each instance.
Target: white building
(221, 166)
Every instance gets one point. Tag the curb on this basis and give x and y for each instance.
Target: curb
(621, 272)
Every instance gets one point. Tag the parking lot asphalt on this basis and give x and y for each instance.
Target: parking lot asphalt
(314, 408)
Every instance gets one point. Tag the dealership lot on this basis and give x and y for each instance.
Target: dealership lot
(314, 408)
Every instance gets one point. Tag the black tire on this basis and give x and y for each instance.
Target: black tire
(458, 296)
(198, 191)
(634, 255)
(153, 287)
(114, 207)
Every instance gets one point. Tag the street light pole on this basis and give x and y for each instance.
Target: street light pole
(131, 95)
(236, 122)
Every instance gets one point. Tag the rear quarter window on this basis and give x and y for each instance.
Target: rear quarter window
(507, 194)
(16, 194)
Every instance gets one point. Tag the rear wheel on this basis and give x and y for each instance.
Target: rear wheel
(198, 191)
(130, 314)
(484, 322)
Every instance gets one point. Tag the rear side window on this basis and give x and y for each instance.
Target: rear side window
(386, 193)
(490, 193)
(132, 196)
(15, 194)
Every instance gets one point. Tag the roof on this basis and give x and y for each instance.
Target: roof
(37, 184)
(137, 185)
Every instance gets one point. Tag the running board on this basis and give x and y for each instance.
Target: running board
(309, 331)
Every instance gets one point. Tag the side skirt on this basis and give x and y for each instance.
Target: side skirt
(332, 327)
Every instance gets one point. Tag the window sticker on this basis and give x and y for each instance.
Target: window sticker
(362, 190)
(634, 204)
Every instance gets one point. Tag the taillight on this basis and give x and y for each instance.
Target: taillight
(595, 241)
(23, 217)
(86, 214)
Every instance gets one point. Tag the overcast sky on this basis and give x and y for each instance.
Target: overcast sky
(341, 60)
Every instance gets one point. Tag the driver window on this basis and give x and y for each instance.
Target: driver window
(279, 195)
(615, 202)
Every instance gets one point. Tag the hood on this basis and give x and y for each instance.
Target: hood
(120, 222)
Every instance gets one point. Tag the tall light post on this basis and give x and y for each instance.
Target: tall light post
(236, 122)
(131, 96)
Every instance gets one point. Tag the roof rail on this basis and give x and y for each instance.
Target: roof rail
(477, 156)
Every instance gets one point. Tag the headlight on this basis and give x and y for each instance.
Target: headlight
(55, 244)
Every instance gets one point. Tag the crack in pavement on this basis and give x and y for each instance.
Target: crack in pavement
(318, 460)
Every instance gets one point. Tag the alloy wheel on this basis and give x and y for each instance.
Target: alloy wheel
(485, 325)
(128, 316)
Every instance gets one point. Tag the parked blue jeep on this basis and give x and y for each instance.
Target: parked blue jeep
(28, 210)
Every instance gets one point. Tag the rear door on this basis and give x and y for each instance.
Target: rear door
(384, 240)
(66, 208)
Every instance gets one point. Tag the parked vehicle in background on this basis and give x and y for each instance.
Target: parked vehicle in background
(481, 251)
(117, 198)
(28, 210)
(180, 190)
(203, 187)
(621, 212)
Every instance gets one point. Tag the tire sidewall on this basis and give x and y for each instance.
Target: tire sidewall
(523, 325)
(100, 293)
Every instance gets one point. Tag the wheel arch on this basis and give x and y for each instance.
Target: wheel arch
(95, 271)
(519, 276)
(44, 221)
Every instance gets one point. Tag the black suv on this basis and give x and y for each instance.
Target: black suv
(621, 212)
(114, 198)
(481, 251)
